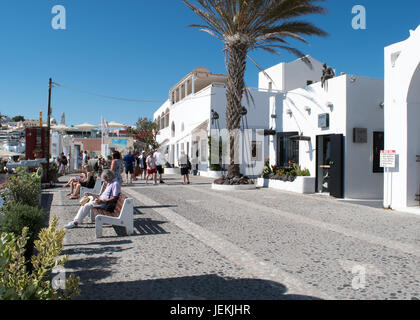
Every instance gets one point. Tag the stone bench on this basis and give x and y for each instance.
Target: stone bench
(122, 216)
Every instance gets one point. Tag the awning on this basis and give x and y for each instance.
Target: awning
(300, 138)
(203, 126)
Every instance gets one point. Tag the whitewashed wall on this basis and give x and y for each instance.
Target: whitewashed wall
(292, 75)
(354, 105)
(364, 97)
(402, 115)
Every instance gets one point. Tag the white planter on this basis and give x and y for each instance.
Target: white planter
(304, 185)
(211, 174)
(242, 187)
(172, 171)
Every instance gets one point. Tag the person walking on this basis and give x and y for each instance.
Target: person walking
(159, 164)
(136, 166)
(79, 161)
(143, 165)
(129, 163)
(85, 158)
(185, 165)
(63, 164)
(117, 166)
(151, 168)
(106, 201)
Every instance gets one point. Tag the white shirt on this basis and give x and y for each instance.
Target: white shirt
(158, 158)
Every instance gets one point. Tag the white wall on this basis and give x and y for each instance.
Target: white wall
(402, 115)
(354, 105)
(316, 98)
(195, 110)
(364, 97)
(292, 75)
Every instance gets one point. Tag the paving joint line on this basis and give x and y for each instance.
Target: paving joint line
(251, 263)
(406, 248)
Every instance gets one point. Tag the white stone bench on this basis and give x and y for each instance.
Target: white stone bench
(122, 216)
(96, 189)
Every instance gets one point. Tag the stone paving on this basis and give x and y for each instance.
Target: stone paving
(192, 242)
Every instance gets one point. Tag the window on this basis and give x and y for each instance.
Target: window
(287, 150)
(378, 146)
(256, 151)
(203, 152)
(173, 129)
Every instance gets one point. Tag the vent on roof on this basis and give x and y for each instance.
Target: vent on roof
(394, 58)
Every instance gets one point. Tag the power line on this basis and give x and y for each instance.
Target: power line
(106, 96)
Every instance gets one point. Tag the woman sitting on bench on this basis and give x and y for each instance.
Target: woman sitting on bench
(87, 182)
(106, 201)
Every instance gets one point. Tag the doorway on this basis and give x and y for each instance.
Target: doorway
(330, 169)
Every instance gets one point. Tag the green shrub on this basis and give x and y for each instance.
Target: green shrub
(16, 283)
(23, 188)
(18, 216)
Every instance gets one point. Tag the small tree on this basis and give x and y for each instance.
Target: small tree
(18, 118)
(16, 283)
(146, 132)
(24, 188)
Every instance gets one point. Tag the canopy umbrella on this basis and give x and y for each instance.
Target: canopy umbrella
(116, 125)
(61, 127)
(7, 154)
(86, 126)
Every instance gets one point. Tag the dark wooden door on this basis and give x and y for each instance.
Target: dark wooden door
(336, 181)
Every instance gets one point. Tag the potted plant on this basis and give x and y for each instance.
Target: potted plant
(38, 154)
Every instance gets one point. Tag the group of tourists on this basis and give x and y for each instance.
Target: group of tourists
(147, 165)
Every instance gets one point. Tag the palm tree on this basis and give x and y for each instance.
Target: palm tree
(245, 25)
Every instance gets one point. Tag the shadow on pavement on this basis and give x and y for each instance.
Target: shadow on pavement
(152, 207)
(204, 287)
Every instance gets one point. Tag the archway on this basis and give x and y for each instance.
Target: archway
(413, 141)
(173, 129)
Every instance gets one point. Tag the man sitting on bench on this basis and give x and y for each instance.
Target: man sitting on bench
(106, 201)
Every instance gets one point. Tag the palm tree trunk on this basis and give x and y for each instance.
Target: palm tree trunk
(235, 87)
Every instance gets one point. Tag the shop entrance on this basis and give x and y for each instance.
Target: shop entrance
(330, 170)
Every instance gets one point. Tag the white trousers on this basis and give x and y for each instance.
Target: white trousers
(84, 211)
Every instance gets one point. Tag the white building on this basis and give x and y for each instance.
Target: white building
(402, 113)
(287, 76)
(186, 120)
(336, 132)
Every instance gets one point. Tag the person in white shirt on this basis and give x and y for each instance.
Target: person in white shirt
(151, 168)
(159, 164)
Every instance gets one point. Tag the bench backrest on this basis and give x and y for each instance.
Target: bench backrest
(120, 203)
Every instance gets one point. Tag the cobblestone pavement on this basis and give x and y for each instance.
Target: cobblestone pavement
(192, 242)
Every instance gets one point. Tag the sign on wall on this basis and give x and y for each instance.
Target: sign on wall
(388, 158)
(119, 142)
(324, 121)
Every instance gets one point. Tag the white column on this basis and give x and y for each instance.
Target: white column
(186, 87)
(273, 125)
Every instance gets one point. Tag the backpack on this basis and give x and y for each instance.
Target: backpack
(64, 160)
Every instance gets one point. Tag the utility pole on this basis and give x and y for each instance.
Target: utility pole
(48, 130)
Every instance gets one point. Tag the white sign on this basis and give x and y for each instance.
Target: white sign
(388, 158)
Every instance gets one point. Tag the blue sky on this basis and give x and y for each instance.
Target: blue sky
(139, 49)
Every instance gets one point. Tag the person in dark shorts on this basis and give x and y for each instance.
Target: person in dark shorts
(159, 164)
(129, 162)
(184, 164)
